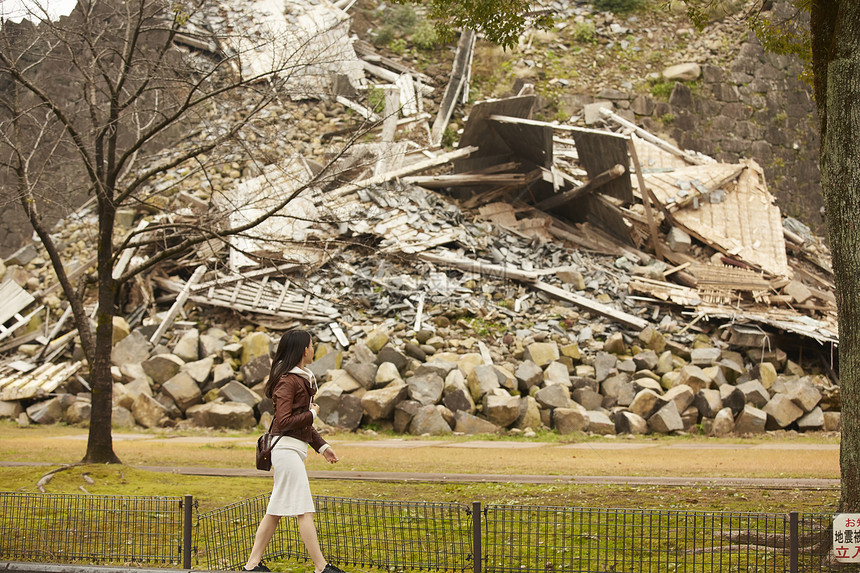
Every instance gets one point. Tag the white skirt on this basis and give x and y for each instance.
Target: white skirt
(291, 494)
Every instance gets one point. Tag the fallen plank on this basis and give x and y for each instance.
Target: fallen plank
(592, 306)
(455, 85)
(599, 180)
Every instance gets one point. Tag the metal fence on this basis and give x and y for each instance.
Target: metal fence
(396, 536)
(69, 528)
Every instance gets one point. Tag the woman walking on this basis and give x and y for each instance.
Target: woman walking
(291, 387)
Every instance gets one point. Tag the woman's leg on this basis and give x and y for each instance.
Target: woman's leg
(264, 534)
(308, 532)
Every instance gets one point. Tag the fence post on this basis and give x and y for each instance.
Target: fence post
(794, 541)
(476, 536)
(186, 532)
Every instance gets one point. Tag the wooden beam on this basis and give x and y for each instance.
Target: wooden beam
(455, 84)
(601, 179)
(646, 200)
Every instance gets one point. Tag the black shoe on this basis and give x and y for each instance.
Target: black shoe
(260, 567)
(329, 568)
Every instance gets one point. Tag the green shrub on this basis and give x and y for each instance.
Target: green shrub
(584, 32)
(618, 6)
(424, 36)
(384, 36)
(404, 18)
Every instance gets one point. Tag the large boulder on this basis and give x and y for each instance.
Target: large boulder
(466, 423)
(502, 410)
(379, 404)
(428, 420)
(233, 415)
(426, 389)
(183, 390)
(346, 414)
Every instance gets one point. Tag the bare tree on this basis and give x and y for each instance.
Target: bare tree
(92, 107)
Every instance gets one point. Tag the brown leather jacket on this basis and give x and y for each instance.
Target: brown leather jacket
(292, 397)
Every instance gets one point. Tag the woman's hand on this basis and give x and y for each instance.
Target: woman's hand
(330, 456)
(315, 408)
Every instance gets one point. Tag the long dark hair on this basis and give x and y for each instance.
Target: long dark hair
(287, 356)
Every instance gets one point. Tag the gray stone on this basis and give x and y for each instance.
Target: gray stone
(553, 397)
(459, 400)
(412, 350)
(169, 404)
(733, 398)
(501, 410)
(482, 380)
(326, 363)
(221, 374)
(47, 412)
(346, 382)
(647, 383)
(232, 415)
(391, 355)
(466, 423)
(685, 72)
(647, 360)
(376, 340)
(237, 392)
(678, 240)
(652, 339)
(570, 420)
(122, 418)
(705, 356)
(363, 372)
(542, 353)
(587, 398)
(211, 344)
(782, 410)
(148, 412)
(10, 409)
(724, 423)
(804, 394)
(612, 386)
(812, 420)
(666, 420)
(750, 421)
(256, 369)
(386, 373)
(327, 397)
(591, 112)
(708, 402)
(528, 374)
(630, 423)
(403, 414)
(646, 403)
(604, 365)
(643, 105)
(614, 344)
(22, 256)
(379, 404)
(78, 412)
(682, 395)
(556, 373)
(832, 421)
(161, 367)
(346, 414)
(428, 420)
(441, 368)
(599, 423)
(754, 393)
(529, 414)
(188, 346)
(425, 389)
(183, 390)
(134, 348)
(254, 345)
(694, 377)
(200, 369)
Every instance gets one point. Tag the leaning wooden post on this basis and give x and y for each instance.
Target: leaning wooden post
(652, 224)
(177, 305)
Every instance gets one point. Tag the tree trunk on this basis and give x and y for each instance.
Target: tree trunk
(835, 27)
(100, 442)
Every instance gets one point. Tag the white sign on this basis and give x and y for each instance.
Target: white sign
(846, 537)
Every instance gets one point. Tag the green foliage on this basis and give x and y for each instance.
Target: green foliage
(398, 46)
(784, 38)
(585, 32)
(618, 6)
(384, 36)
(403, 18)
(376, 99)
(499, 21)
(449, 137)
(424, 36)
(662, 89)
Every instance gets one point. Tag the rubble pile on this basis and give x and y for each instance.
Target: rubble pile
(584, 276)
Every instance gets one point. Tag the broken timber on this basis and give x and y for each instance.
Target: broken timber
(533, 279)
(455, 85)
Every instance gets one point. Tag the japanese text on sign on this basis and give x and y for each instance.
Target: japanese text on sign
(846, 537)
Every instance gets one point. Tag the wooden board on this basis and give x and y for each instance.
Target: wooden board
(746, 225)
(601, 152)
